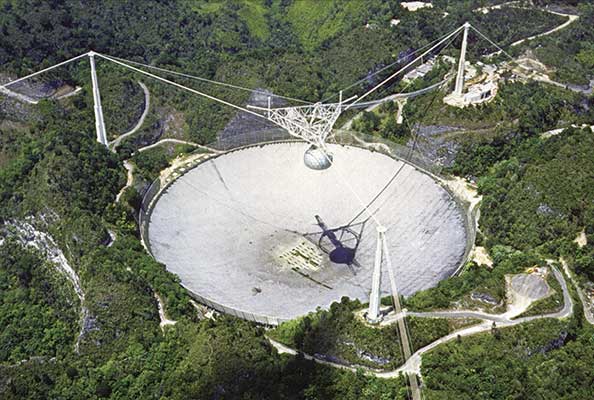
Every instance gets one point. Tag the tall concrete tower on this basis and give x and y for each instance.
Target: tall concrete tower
(460, 77)
(382, 256)
(373, 314)
(99, 122)
(456, 98)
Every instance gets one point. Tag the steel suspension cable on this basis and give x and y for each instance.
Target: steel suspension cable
(4, 86)
(410, 152)
(409, 83)
(490, 41)
(453, 34)
(400, 168)
(384, 68)
(159, 78)
(415, 141)
(184, 87)
(229, 85)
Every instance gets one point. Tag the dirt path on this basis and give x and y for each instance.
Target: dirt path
(282, 349)
(555, 132)
(147, 104)
(18, 96)
(581, 239)
(486, 9)
(162, 316)
(130, 179)
(76, 91)
(112, 237)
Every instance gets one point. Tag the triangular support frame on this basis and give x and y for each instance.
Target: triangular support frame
(311, 123)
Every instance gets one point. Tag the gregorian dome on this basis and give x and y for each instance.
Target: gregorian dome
(316, 158)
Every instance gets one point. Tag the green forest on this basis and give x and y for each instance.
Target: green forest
(538, 195)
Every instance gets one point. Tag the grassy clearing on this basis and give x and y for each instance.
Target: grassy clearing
(456, 292)
(317, 21)
(254, 14)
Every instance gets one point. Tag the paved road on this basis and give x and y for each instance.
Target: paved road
(570, 20)
(413, 364)
(585, 302)
(392, 318)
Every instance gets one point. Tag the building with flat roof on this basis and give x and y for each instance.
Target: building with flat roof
(415, 5)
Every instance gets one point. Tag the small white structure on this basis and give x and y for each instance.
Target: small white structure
(394, 22)
(420, 71)
(480, 93)
(415, 5)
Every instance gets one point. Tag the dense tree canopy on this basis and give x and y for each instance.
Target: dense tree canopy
(537, 197)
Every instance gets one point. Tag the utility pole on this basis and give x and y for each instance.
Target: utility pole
(99, 123)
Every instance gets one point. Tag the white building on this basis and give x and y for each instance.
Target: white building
(420, 71)
(483, 91)
(415, 5)
(480, 93)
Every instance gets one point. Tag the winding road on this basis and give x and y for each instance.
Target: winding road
(413, 364)
(588, 314)
(571, 19)
(147, 105)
